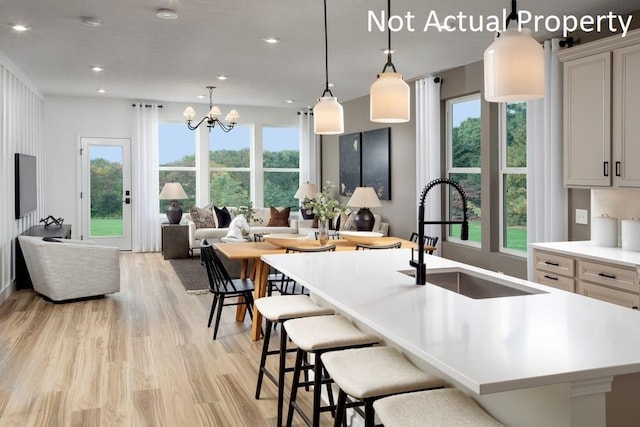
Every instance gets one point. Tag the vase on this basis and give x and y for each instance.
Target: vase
(323, 231)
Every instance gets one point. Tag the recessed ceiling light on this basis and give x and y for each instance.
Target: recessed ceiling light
(290, 101)
(20, 28)
(271, 40)
(202, 96)
(166, 14)
(102, 91)
(222, 77)
(386, 51)
(91, 21)
(330, 84)
(97, 68)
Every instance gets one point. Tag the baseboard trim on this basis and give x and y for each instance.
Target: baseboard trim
(7, 291)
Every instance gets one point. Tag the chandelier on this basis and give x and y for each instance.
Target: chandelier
(212, 116)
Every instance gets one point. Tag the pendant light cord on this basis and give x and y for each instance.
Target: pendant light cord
(326, 55)
(513, 16)
(389, 62)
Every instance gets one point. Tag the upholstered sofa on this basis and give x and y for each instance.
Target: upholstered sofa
(68, 269)
(198, 233)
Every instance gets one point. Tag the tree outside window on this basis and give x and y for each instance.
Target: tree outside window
(177, 160)
(281, 163)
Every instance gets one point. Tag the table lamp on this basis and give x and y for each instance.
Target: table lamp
(364, 198)
(173, 191)
(305, 191)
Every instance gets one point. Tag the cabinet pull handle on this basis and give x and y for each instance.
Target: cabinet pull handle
(546, 276)
(555, 264)
(606, 168)
(617, 168)
(608, 276)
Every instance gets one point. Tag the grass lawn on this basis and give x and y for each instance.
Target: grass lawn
(106, 227)
(516, 235)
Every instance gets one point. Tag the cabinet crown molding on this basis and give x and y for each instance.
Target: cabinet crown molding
(598, 46)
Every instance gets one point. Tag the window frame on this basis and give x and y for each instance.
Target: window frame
(264, 169)
(194, 169)
(503, 172)
(450, 169)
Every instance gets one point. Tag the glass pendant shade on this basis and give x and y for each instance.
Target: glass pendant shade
(514, 67)
(389, 99)
(328, 116)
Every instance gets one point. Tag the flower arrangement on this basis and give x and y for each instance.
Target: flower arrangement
(249, 213)
(323, 205)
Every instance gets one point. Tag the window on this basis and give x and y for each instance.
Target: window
(280, 161)
(177, 160)
(230, 167)
(464, 164)
(513, 176)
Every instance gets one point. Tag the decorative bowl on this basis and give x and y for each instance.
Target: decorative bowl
(285, 239)
(360, 236)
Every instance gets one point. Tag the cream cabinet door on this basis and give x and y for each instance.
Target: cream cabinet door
(626, 116)
(614, 296)
(587, 121)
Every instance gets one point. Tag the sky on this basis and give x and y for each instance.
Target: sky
(465, 109)
(177, 141)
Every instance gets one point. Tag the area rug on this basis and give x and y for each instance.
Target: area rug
(193, 275)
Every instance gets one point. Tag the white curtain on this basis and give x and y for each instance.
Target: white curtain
(428, 150)
(309, 150)
(145, 191)
(546, 196)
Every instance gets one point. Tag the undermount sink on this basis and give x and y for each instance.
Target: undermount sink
(475, 287)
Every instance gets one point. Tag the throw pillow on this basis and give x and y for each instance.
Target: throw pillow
(279, 218)
(224, 217)
(202, 218)
(349, 222)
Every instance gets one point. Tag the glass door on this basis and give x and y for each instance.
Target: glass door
(106, 191)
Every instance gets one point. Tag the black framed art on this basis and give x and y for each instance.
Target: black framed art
(349, 163)
(376, 161)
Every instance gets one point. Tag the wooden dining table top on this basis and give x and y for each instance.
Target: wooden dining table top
(254, 250)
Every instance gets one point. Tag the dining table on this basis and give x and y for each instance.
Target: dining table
(253, 267)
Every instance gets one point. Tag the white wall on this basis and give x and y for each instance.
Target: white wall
(69, 118)
(21, 131)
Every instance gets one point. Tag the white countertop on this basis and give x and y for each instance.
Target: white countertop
(584, 249)
(488, 345)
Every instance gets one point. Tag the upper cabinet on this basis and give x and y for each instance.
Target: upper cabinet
(601, 110)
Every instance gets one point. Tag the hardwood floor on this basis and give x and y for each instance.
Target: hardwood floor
(141, 357)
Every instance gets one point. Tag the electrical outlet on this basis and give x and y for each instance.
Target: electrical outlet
(582, 216)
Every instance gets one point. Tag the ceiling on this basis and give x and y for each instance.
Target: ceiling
(148, 58)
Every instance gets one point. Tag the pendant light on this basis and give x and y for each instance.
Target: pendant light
(513, 65)
(328, 116)
(389, 94)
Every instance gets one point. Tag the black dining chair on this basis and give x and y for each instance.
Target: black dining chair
(287, 286)
(363, 246)
(223, 287)
(428, 241)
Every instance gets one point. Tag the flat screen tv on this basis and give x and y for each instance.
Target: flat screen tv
(26, 184)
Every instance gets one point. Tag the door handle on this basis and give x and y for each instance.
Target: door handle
(606, 169)
(617, 168)
(127, 200)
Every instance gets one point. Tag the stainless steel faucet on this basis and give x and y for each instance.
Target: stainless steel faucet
(420, 266)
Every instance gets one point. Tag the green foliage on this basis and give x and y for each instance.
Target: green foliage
(323, 205)
(248, 211)
(466, 144)
(106, 189)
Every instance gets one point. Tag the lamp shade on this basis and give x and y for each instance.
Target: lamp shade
(328, 116)
(189, 113)
(232, 117)
(514, 67)
(173, 191)
(306, 190)
(389, 99)
(364, 197)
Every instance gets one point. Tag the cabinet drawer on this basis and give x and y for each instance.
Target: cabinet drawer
(555, 280)
(614, 296)
(558, 264)
(608, 275)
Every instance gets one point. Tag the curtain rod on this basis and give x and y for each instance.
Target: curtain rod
(145, 105)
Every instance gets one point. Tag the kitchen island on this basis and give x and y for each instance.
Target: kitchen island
(543, 358)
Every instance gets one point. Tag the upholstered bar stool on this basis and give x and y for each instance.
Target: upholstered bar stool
(441, 408)
(275, 310)
(368, 374)
(317, 335)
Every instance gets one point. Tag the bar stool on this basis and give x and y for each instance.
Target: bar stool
(368, 374)
(442, 408)
(317, 335)
(275, 310)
